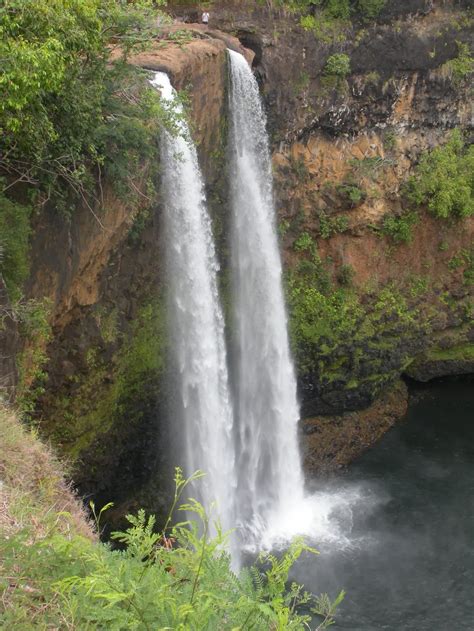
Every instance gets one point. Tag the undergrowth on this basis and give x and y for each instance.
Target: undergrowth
(55, 574)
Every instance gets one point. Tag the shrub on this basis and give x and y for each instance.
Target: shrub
(400, 228)
(338, 9)
(463, 65)
(443, 180)
(304, 243)
(370, 9)
(69, 109)
(329, 226)
(337, 65)
(353, 193)
(325, 28)
(346, 275)
(323, 318)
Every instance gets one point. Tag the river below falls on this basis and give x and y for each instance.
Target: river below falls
(403, 549)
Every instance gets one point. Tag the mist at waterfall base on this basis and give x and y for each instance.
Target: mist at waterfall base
(404, 550)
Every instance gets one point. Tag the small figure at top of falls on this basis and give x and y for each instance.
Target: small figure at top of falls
(196, 319)
(270, 490)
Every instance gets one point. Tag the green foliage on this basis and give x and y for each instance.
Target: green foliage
(176, 578)
(390, 140)
(324, 27)
(370, 9)
(399, 229)
(318, 320)
(299, 167)
(346, 275)
(304, 243)
(339, 335)
(328, 226)
(328, 19)
(338, 9)
(460, 352)
(121, 382)
(444, 180)
(35, 330)
(464, 259)
(461, 66)
(71, 109)
(14, 238)
(352, 192)
(338, 65)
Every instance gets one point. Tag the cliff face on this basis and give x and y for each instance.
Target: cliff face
(365, 306)
(344, 147)
(101, 270)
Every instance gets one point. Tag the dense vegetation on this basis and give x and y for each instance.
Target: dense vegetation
(54, 573)
(338, 9)
(71, 110)
(355, 339)
(444, 180)
(328, 18)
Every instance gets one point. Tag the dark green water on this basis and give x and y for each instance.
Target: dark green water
(405, 548)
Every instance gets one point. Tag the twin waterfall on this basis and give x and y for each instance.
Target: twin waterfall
(246, 442)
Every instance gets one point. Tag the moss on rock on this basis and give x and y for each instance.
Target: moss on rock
(121, 370)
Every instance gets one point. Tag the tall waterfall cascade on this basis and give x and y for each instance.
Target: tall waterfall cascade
(196, 319)
(270, 489)
(247, 444)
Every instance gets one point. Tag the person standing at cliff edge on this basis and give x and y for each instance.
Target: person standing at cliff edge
(205, 18)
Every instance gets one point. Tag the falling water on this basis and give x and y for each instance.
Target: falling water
(270, 492)
(196, 317)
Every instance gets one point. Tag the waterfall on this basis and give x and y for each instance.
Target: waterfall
(270, 491)
(196, 318)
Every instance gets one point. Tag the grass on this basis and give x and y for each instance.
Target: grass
(32, 487)
(35, 502)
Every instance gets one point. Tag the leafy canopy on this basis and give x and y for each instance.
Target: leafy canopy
(72, 110)
(66, 93)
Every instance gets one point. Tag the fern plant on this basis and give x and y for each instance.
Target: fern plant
(174, 578)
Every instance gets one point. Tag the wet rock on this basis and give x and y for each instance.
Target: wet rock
(331, 442)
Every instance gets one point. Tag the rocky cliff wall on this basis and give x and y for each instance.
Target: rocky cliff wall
(365, 307)
(344, 148)
(9, 344)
